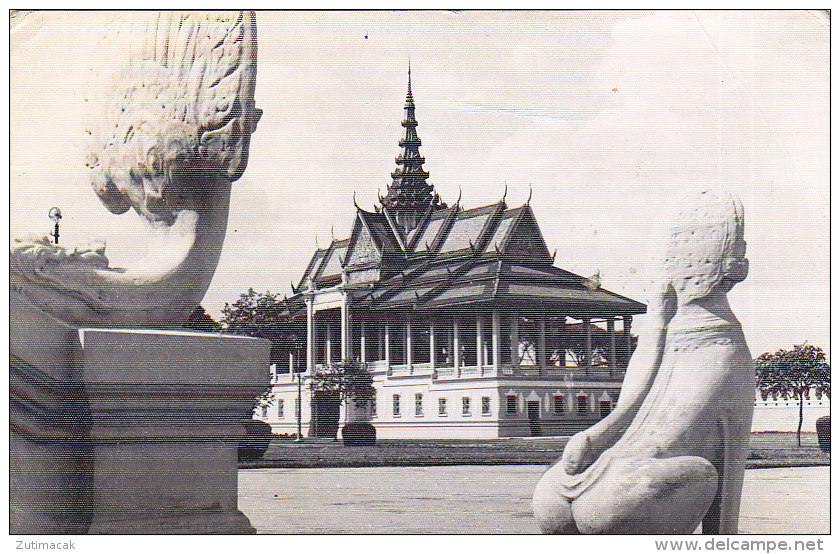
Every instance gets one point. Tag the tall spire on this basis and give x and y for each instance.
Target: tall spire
(409, 196)
(408, 97)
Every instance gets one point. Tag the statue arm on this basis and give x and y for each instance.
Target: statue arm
(638, 380)
(585, 447)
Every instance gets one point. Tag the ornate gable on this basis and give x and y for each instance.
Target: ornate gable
(524, 240)
(363, 250)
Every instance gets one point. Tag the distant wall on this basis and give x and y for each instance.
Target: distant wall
(783, 415)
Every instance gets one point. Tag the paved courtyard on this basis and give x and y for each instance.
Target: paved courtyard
(479, 499)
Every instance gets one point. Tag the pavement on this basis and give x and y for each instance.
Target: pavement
(480, 500)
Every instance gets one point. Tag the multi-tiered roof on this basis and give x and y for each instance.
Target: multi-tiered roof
(416, 253)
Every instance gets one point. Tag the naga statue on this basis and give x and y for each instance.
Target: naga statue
(671, 455)
(174, 138)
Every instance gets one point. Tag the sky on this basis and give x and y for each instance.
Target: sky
(608, 117)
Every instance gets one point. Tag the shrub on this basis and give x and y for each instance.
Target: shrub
(824, 433)
(358, 434)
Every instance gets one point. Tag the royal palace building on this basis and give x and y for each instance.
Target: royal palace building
(460, 316)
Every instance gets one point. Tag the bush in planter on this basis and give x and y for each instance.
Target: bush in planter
(824, 433)
(358, 434)
(257, 437)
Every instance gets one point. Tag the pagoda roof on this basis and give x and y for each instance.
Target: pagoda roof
(455, 257)
(414, 252)
(409, 195)
(490, 280)
(382, 231)
(325, 266)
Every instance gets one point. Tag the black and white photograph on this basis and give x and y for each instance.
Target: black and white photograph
(420, 272)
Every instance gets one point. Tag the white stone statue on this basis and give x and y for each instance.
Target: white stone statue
(175, 137)
(672, 453)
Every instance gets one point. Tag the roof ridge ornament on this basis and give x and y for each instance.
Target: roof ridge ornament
(530, 194)
(593, 282)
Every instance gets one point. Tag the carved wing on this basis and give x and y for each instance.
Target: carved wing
(183, 108)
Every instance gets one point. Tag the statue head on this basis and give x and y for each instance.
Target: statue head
(169, 133)
(177, 116)
(705, 248)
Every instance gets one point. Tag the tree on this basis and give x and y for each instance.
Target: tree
(347, 380)
(341, 382)
(793, 373)
(265, 315)
(200, 320)
(254, 314)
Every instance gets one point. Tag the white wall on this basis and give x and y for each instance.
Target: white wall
(777, 416)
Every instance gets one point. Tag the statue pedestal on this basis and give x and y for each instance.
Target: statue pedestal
(127, 431)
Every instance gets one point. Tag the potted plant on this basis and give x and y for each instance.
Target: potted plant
(353, 385)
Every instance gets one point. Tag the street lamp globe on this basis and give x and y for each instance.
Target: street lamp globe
(55, 215)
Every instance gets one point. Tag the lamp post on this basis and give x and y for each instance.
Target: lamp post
(299, 414)
(55, 215)
(299, 410)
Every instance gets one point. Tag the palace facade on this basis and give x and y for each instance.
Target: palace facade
(461, 317)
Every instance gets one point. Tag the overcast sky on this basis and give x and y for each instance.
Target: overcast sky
(607, 116)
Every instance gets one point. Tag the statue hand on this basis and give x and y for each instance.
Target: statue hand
(663, 304)
(579, 453)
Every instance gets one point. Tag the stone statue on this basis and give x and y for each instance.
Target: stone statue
(170, 145)
(672, 453)
(100, 441)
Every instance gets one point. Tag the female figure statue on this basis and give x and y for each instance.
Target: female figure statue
(671, 455)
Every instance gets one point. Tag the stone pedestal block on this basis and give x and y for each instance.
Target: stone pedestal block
(127, 431)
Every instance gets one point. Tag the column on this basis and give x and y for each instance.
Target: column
(514, 341)
(628, 321)
(346, 351)
(541, 345)
(479, 342)
(497, 339)
(387, 342)
(561, 341)
(328, 345)
(611, 331)
(362, 342)
(310, 335)
(380, 345)
(291, 363)
(588, 352)
(456, 346)
(408, 357)
(433, 362)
